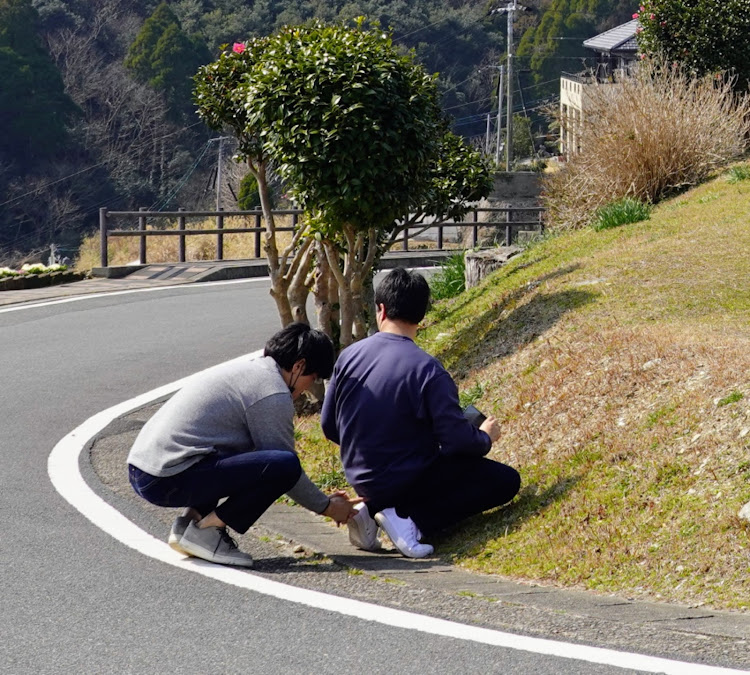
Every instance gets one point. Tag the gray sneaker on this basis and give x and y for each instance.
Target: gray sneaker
(363, 530)
(178, 529)
(213, 544)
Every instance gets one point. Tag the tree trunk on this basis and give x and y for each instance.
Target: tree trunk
(279, 285)
(481, 263)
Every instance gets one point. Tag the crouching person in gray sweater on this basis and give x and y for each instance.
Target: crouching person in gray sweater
(229, 434)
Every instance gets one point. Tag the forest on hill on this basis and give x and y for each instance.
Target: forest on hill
(96, 96)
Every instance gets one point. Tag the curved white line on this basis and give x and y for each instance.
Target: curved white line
(63, 470)
(107, 294)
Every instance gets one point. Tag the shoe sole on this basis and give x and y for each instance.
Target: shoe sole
(174, 538)
(174, 543)
(219, 560)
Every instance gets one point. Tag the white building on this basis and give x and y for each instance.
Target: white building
(616, 52)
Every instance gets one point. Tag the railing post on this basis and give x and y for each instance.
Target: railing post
(142, 244)
(440, 237)
(257, 235)
(405, 245)
(507, 228)
(103, 253)
(220, 236)
(181, 245)
(475, 230)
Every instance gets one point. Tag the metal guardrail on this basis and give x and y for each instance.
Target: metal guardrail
(142, 231)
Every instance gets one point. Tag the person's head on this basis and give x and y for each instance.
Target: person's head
(303, 354)
(405, 296)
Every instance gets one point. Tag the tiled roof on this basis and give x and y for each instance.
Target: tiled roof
(619, 38)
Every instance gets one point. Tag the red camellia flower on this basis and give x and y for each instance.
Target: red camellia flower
(238, 48)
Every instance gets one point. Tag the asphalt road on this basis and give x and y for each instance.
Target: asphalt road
(75, 600)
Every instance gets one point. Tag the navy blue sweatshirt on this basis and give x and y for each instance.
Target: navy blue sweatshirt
(392, 408)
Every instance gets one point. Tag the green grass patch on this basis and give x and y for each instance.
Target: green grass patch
(621, 212)
(449, 281)
(738, 173)
(734, 397)
(617, 362)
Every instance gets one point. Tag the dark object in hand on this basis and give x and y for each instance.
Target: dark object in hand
(474, 416)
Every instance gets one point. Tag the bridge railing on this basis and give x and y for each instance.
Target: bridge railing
(507, 227)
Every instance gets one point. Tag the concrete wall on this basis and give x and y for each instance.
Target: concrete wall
(515, 188)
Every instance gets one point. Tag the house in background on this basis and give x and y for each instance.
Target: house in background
(616, 53)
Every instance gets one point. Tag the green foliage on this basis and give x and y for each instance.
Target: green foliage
(351, 123)
(459, 175)
(620, 212)
(706, 36)
(523, 143)
(219, 95)
(34, 108)
(166, 58)
(731, 398)
(738, 173)
(471, 395)
(248, 197)
(449, 281)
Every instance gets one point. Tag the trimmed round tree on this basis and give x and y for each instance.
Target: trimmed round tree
(352, 122)
(706, 36)
(353, 126)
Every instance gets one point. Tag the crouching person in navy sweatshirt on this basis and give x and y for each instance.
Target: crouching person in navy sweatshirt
(229, 433)
(406, 446)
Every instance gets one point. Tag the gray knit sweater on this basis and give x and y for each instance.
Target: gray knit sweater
(235, 407)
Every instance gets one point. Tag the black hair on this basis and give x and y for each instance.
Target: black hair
(299, 341)
(405, 295)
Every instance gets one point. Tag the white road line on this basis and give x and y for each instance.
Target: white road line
(106, 294)
(63, 470)
(150, 289)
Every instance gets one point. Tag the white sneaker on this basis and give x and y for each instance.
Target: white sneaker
(363, 530)
(403, 533)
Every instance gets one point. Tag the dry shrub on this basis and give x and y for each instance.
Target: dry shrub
(655, 133)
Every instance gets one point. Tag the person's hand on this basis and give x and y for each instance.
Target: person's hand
(491, 427)
(341, 507)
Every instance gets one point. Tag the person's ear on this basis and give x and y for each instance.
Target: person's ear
(299, 367)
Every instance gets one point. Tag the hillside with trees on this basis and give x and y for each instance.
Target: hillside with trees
(96, 105)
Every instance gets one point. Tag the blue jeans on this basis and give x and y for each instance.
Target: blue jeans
(250, 481)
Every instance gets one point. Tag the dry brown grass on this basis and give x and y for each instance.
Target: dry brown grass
(647, 137)
(124, 250)
(618, 364)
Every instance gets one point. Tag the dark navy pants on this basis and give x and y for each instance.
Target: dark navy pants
(250, 481)
(451, 489)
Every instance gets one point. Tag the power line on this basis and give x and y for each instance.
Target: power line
(82, 171)
(435, 23)
(158, 206)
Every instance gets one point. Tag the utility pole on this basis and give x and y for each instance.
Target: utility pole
(510, 9)
(218, 173)
(499, 114)
(509, 123)
(219, 162)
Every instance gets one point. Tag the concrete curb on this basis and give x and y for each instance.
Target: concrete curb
(317, 535)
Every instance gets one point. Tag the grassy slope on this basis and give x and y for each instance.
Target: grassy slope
(619, 363)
